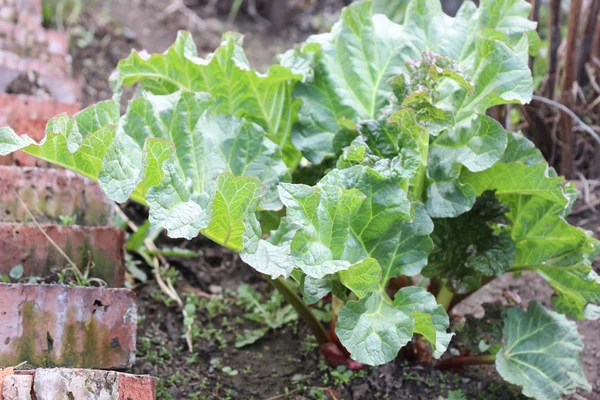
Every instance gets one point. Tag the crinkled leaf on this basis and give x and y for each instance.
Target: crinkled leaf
(314, 289)
(381, 227)
(373, 330)
(431, 320)
(78, 143)
(576, 284)
(541, 353)
(324, 213)
(475, 145)
(471, 246)
(273, 256)
(226, 75)
(170, 152)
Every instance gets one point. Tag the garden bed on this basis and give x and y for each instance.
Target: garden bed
(285, 363)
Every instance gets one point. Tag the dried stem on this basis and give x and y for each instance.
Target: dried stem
(554, 25)
(566, 95)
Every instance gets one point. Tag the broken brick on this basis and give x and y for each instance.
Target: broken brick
(54, 325)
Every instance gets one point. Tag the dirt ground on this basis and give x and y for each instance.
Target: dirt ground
(285, 363)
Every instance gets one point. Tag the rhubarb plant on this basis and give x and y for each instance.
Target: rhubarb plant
(420, 185)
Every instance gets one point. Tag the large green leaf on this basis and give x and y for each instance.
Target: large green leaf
(545, 242)
(345, 70)
(196, 170)
(373, 330)
(541, 353)
(349, 68)
(431, 320)
(226, 75)
(323, 243)
(381, 227)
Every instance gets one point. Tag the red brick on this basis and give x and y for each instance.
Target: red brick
(35, 129)
(3, 374)
(50, 193)
(27, 245)
(12, 62)
(29, 115)
(78, 384)
(13, 106)
(79, 327)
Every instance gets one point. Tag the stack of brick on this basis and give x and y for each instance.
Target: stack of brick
(74, 338)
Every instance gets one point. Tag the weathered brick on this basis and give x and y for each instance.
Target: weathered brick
(77, 384)
(61, 88)
(3, 374)
(17, 387)
(24, 36)
(52, 384)
(101, 248)
(54, 325)
(13, 65)
(30, 7)
(50, 193)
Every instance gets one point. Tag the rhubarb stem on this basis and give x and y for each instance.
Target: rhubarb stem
(457, 362)
(302, 309)
(444, 297)
(417, 183)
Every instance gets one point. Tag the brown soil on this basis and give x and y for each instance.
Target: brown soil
(285, 363)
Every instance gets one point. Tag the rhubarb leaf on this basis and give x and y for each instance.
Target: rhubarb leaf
(226, 75)
(471, 246)
(196, 170)
(373, 330)
(324, 214)
(487, 43)
(541, 353)
(386, 227)
(545, 242)
(362, 277)
(350, 67)
(431, 320)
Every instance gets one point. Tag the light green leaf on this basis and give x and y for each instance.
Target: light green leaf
(314, 289)
(324, 214)
(381, 227)
(545, 242)
(273, 256)
(345, 71)
(226, 75)
(541, 353)
(171, 152)
(431, 319)
(350, 68)
(576, 284)
(362, 277)
(373, 330)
